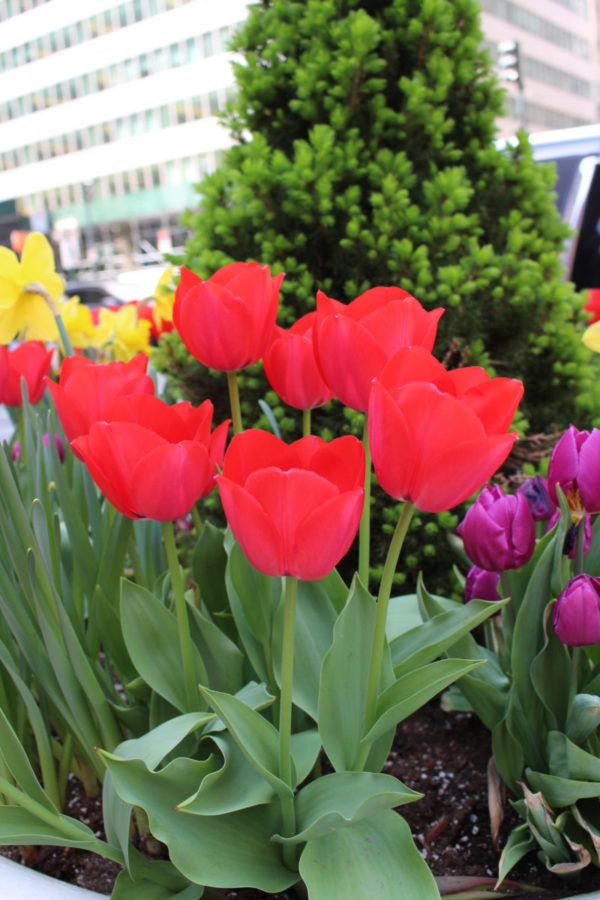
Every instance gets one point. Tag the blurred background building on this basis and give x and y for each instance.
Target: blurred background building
(108, 110)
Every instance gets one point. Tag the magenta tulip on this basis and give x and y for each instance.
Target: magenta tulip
(575, 466)
(498, 530)
(577, 612)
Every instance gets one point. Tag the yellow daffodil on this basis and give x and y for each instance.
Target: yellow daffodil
(78, 321)
(25, 313)
(164, 296)
(591, 337)
(121, 332)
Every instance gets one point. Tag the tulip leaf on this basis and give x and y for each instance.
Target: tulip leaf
(428, 640)
(151, 635)
(257, 738)
(19, 826)
(235, 785)
(17, 762)
(151, 748)
(403, 615)
(411, 691)
(223, 660)
(374, 857)
(551, 675)
(520, 842)
(560, 791)
(343, 798)
(583, 718)
(344, 674)
(253, 598)
(508, 752)
(315, 619)
(125, 888)
(571, 761)
(208, 566)
(228, 851)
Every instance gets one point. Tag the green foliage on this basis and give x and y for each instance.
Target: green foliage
(365, 156)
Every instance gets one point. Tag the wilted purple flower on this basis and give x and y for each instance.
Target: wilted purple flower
(536, 493)
(575, 465)
(481, 584)
(498, 531)
(577, 612)
(570, 547)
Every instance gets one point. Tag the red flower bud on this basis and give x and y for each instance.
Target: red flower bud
(31, 361)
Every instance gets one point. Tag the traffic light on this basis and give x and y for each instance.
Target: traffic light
(509, 62)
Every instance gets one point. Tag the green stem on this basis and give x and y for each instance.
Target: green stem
(580, 546)
(37, 288)
(234, 402)
(364, 531)
(197, 520)
(181, 614)
(285, 715)
(378, 645)
(306, 422)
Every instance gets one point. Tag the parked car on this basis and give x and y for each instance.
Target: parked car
(576, 154)
(92, 293)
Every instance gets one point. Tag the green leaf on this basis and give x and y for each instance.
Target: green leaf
(570, 761)
(507, 752)
(520, 842)
(19, 826)
(125, 888)
(17, 761)
(315, 619)
(151, 748)
(375, 857)
(411, 691)
(151, 635)
(559, 792)
(583, 718)
(247, 589)
(257, 738)
(226, 851)
(551, 676)
(236, 784)
(403, 615)
(208, 567)
(428, 640)
(223, 660)
(343, 798)
(344, 674)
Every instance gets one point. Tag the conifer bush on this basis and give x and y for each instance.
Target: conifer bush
(364, 155)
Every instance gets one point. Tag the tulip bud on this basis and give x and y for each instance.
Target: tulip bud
(482, 584)
(498, 531)
(535, 491)
(577, 612)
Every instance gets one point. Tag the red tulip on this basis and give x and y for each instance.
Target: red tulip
(294, 508)
(31, 361)
(152, 460)
(437, 436)
(354, 342)
(291, 367)
(86, 390)
(226, 321)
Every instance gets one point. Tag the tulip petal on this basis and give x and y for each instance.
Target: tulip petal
(588, 475)
(325, 536)
(111, 451)
(169, 480)
(252, 528)
(340, 340)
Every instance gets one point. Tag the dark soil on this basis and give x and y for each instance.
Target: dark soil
(441, 754)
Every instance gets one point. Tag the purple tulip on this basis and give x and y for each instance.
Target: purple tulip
(577, 612)
(536, 493)
(575, 466)
(498, 531)
(570, 547)
(481, 584)
(60, 449)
